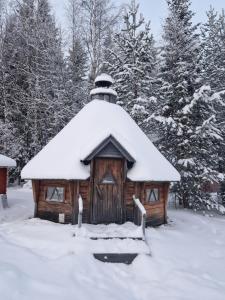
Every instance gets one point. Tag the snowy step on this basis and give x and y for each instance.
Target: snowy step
(123, 231)
(124, 258)
(112, 243)
(118, 246)
(119, 237)
(115, 245)
(120, 251)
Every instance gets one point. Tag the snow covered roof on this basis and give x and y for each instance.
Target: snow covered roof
(104, 77)
(6, 161)
(102, 90)
(61, 157)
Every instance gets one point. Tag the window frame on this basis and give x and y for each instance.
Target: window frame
(147, 200)
(104, 180)
(55, 201)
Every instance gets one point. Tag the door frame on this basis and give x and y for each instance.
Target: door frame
(92, 192)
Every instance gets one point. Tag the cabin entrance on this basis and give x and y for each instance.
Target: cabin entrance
(107, 201)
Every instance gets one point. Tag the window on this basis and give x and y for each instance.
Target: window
(108, 179)
(152, 195)
(55, 194)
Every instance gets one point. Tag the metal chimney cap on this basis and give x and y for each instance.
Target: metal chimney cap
(102, 90)
(104, 78)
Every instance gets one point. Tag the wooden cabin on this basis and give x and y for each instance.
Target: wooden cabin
(5, 164)
(103, 156)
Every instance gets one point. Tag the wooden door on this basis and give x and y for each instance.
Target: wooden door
(107, 201)
(3, 180)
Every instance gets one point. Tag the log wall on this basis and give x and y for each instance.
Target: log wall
(51, 210)
(156, 212)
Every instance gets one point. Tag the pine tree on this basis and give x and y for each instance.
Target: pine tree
(76, 81)
(132, 63)
(186, 115)
(199, 165)
(49, 71)
(76, 76)
(2, 102)
(213, 62)
(16, 83)
(213, 50)
(32, 79)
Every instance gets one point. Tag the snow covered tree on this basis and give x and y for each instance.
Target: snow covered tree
(213, 51)
(33, 80)
(188, 132)
(97, 17)
(213, 62)
(2, 103)
(132, 63)
(76, 77)
(77, 88)
(49, 69)
(199, 163)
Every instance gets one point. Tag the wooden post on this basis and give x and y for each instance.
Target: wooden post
(36, 188)
(4, 201)
(166, 195)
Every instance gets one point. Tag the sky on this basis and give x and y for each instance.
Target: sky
(153, 10)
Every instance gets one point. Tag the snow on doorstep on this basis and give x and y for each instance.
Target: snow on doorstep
(102, 90)
(104, 77)
(61, 158)
(111, 230)
(6, 161)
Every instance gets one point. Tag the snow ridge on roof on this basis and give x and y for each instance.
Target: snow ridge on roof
(7, 162)
(61, 158)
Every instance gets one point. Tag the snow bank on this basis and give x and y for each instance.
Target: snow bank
(43, 260)
(6, 161)
(21, 205)
(61, 158)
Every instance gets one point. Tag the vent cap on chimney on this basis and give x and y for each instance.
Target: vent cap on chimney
(103, 80)
(102, 90)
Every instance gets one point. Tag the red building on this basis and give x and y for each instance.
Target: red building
(5, 163)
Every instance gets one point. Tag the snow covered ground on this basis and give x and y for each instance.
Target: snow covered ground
(42, 260)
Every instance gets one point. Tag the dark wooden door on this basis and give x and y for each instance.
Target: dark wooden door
(107, 203)
(3, 180)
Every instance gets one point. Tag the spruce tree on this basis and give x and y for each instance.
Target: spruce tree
(132, 64)
(213, 49)
(189, 135)
(213, 63)
(77, 66)
(77, 88)
(32, 79)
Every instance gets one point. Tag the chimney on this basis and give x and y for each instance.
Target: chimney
(103, 90)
